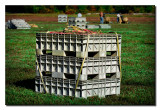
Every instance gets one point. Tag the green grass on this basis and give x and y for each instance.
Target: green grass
(129, 95)
(138, 67)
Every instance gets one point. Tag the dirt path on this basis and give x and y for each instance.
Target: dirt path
(91, 19)
(131, 19)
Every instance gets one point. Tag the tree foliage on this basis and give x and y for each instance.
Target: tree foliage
(79, 8)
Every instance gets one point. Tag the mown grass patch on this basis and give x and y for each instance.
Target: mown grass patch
(138, 67)
(130, 95)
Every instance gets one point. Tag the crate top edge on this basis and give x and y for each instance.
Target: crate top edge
(62, 14)
(82, 34)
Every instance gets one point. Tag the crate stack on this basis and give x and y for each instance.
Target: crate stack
(18, 24)
(100, 26)
(60, 58)
(62, 18)
(77, 21)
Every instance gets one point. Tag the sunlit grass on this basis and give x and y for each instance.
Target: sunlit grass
(138, 67)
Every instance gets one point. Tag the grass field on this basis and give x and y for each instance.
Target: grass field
(138, 67)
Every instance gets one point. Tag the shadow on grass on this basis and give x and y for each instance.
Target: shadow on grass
(150, 43)
(28, 84)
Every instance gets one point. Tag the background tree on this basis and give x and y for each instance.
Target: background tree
(82, 9)
(79, 8)
(92, 8)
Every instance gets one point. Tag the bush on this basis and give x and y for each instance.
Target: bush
(70, 11)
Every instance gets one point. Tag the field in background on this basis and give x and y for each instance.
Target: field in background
(90, 17)
(138, 63)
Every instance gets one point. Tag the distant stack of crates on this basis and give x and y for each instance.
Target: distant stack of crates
(17, 24)
(62, 18)
(60, 58)
(100, 26)
(77, 21)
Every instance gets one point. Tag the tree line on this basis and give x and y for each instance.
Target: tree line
(82, 9)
